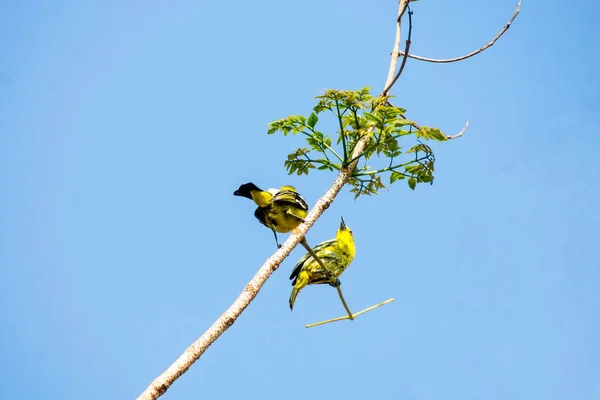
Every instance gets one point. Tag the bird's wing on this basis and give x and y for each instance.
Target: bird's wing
(292, 197)
(319, 251)
(259, 213)
(323, 245)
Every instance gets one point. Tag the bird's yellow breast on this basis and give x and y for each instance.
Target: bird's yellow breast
(345, 244)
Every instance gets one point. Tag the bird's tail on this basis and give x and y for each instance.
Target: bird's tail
(301, 281)
(293, 297)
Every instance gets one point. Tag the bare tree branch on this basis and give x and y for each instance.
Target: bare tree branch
(471, 54)
(459, 134)
(406, 49)
(396, 51)
(162, 383)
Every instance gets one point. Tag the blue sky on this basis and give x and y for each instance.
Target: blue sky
(126, 126)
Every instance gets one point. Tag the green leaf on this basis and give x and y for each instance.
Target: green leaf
(373, 117)
(402, 122)
(412, 183)
(316, 140)
(396, 176)
(403, 132)
(292, 168)
(423, 132)
(312, 120)
(436, 134)
(414, 168)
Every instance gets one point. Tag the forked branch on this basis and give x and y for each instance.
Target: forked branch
(471, 54)
(392, 75)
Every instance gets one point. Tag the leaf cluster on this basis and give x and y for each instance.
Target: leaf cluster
(358, 113)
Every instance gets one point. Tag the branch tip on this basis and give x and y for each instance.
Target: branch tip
(459, 134)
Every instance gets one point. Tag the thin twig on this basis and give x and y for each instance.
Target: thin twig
(471, 54)
(339, 290)
(459, 134)
(396, 51)
(406, 49)
(353, 315)
(304, 243)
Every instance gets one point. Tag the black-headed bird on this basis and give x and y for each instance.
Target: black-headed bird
(281, 210)
(336, 255)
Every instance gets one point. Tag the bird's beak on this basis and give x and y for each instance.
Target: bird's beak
(343, 224)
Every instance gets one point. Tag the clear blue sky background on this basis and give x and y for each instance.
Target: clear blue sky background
(126, 126)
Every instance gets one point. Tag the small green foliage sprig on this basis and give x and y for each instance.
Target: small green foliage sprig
(359, 113)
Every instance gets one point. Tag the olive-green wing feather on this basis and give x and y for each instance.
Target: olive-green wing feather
(289, 196)
(318, 248)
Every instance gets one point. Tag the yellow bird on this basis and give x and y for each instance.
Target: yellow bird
(281, 210)
(336, 255)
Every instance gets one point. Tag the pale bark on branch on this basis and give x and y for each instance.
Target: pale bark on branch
(160, 385)
(193, 352)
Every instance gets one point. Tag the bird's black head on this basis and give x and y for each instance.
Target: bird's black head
(245, 190)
